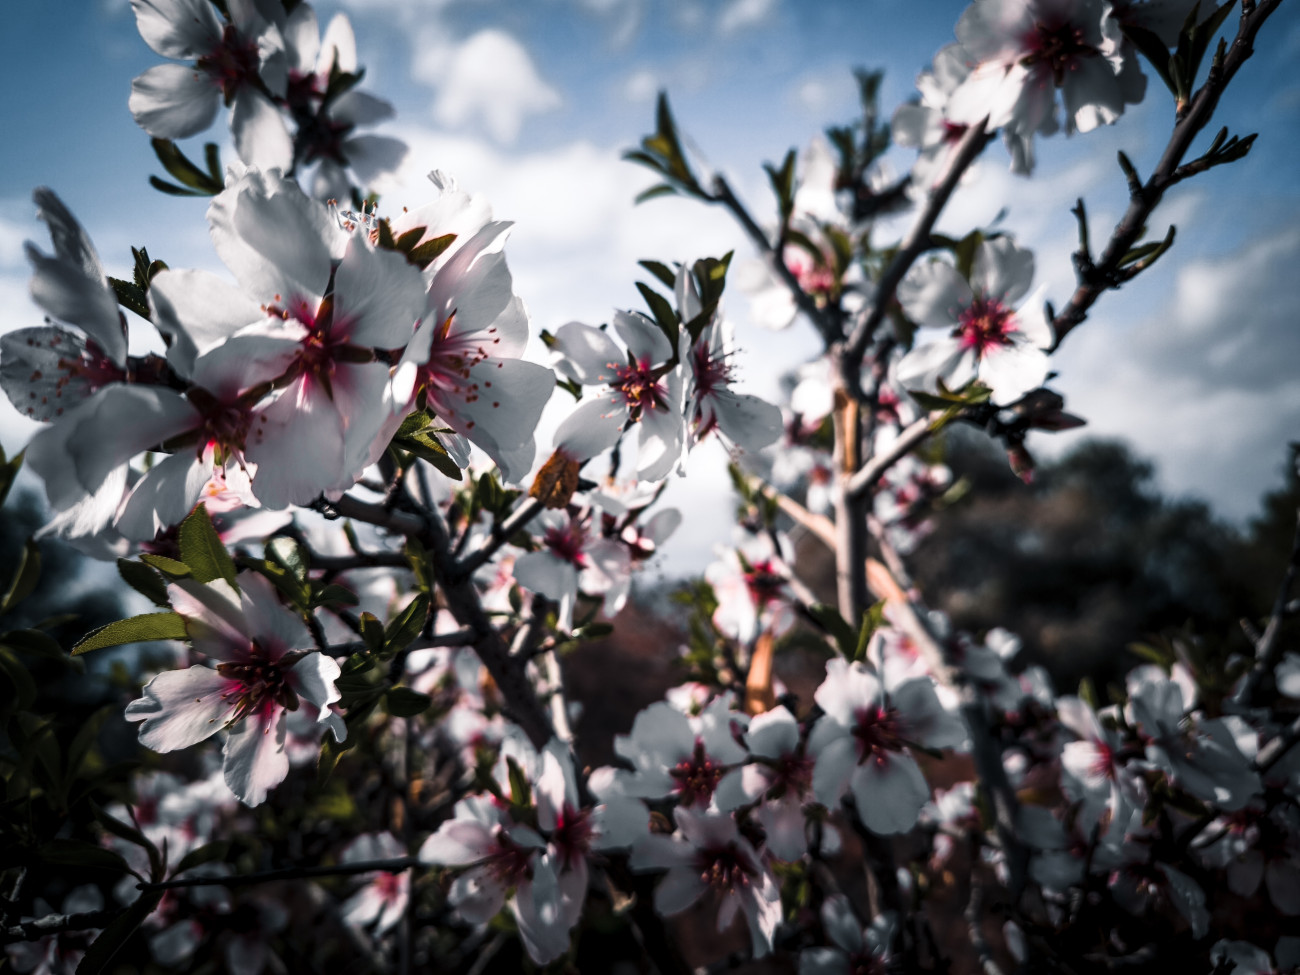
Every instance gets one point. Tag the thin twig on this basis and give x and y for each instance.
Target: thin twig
(394, 865)
(918, 238)
(529, 509)
(824, 320)
(1268, 649)
(43, 927)
(911, 436)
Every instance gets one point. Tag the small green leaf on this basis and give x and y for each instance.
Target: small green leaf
(521, 794)
(661, 271)
(130, 297)
(78, 853)
(288, 555)
(372, 632)
(101, 952)
(404, 702)
(664, 315)
(25, 578)
(406, 626)
(335, 595)
(35, 644)
(168, 567)
(137, 629)
(8, 471)
(430, 250)
(872, 620)
(830, 620)
(202, 549)
(143, 580)
(653, 193)
(207, 853)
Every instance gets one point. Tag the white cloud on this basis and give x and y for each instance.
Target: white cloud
(641, 86)
(488, 78)
(741, 14)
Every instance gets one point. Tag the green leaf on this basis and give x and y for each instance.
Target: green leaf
(130, 297)
(8, 471)
(171, 189)
(179, 166)
(372, 632)
(664, 315)
(521, 794)
(207, 853)
(406, 626)
(661, 271)
(143, 580)
(872, 620)
(79, 853)
(653, 193)
(830, 620)
(1153, 49)
(25, 577)
(137, 629)
(403, 702)
(430, 250)
(21, 693)
(131, 835)
(288, 555)
(168, 567)
(36, 644)
(335, 595)
(202, 549)
(101, 952)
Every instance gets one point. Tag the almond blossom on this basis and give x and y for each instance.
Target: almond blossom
(990, 339)
(241, 62)
(573, 557)
(380, 903)
(263, 671)
(861, 744)
(713, 856)
(638, 386)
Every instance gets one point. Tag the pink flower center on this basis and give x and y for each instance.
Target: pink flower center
(814, 279)
(953, 131)
(567, 542)
(725, 869)
(258, 682)
(639, 387)
(390, 886)
(447, 376)
(712, 371)
(985, 324)
(233, 64)
(764, 583)
(1059, 46)
(878, 732)
(507, 861)
(697, 776)
(793, 775)
(573, 835)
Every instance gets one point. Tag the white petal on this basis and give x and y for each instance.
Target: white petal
(164, 496)
(592, 428)
(378, 297)
(835, 764)
(260, 135)
(197, 310)
(1002, 270)
(313, 678)
(589, 355)
(173, 101)
(254, 759)
(889, 791)
(184, 30)
(679, 889)
(934, 294)
(1013, 371)
(180, 708)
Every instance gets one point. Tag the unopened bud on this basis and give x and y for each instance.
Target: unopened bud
(556, 481)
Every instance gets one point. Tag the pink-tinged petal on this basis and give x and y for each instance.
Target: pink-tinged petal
(47, 370)
(180, 708)
(501, 415)
(301, 33)
(934, 294)
(477, 895)
(679, 889)
(164, 496)
(184, 30)
(277, 629)
(196, 310)
(298, 447)
(1013, 371)
(260, 135)
(457, 843)
(173, 101)
(783, 819)
(541, 572)
(926, 364)
(925, 720)
(254, 761)
(76, 455)
(259, 353)
(537, 908)
(338, 48)
(214, 616)
(378, 297)
(763, 912)
(474, 284)
(773, 734)
(620, 821)
(76, 289)
(587, 354)
(847, 689)
(364, 906)
(1031, 319)
(313, 679)
(661, 731)
(592, 428)
(889, 791)
(1002, 270)
(741, 785)
(835, 764)
(361, 397)
(642, 337)
(275, 240)
(85, 523)
(659, 443)
(371, 156)
(747, 421)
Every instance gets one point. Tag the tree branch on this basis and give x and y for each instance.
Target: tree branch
(913, 435)
(500, 534)
(1268, 649)
(1103, 275)
(918, 238)
(395, 865)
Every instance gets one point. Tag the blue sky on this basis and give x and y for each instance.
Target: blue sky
(531, 101)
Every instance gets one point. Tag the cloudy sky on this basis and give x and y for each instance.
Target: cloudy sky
(531, 102)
